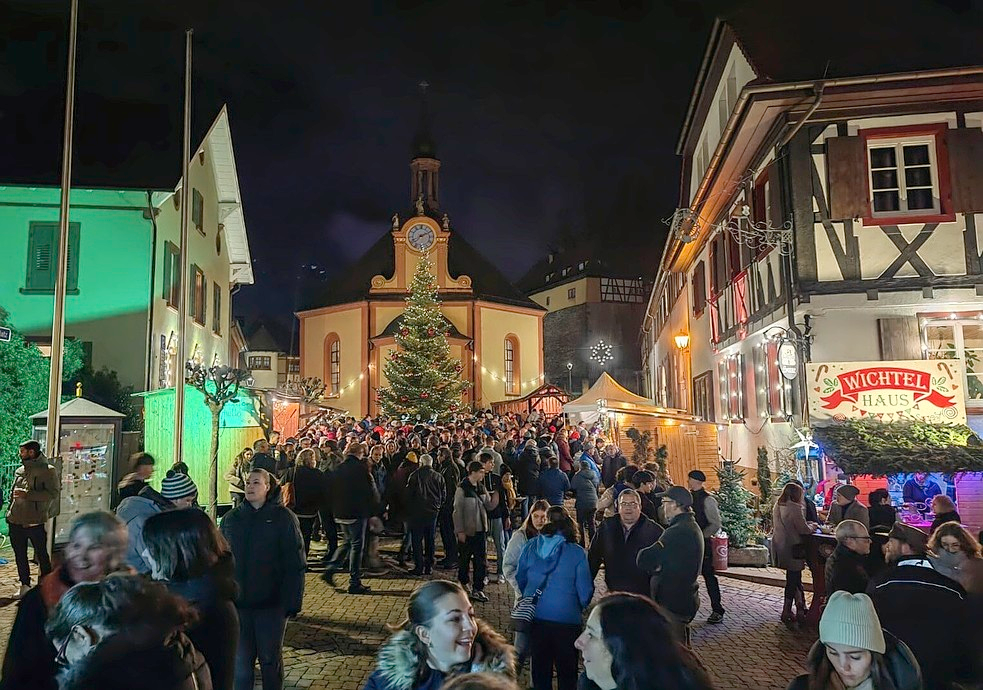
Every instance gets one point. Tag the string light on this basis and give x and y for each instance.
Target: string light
(601, 353)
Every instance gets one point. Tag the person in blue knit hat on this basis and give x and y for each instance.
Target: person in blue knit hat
(176, 491)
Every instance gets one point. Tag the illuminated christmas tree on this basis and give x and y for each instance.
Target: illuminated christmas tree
(424, 380)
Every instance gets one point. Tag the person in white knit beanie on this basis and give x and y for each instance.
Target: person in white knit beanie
(854, 653)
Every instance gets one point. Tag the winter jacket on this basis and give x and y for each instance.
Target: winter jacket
(900, 662)
(400, 667)
(854, 511)
(620, 557)
(588, 459)
(269, 556)
(29, 663)
(236, 480)
(884, 516)
(569, 587)
(130, 485)
(563, 454)
(309, 487)
(262, 461)
(915, 602)
(452, 477)
(396, 497)
(510, 560)
(471, 508)
(675, 561)
(610, 466)
(127, 660)
(134, 512)
(942, 518)
(790, 528)
(425, 493)
(496, 458)
(584, 485)
(846, 570)
(553, 484)
(527, 471)
(707, 512)
(40, 481)
(353, 492)
(957, 566)
(216, 633)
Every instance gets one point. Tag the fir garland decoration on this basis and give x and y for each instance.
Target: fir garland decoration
(870, 446)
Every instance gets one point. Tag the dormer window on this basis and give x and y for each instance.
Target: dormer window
(582, 265)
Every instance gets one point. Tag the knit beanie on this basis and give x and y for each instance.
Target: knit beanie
(176, 485)
(850, 619)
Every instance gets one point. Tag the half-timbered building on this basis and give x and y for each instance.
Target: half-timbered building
(827, 198)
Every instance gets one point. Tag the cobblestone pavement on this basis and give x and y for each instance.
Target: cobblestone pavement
(332, 644)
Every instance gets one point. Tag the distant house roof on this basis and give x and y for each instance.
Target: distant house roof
(487, 282)
(563, 267)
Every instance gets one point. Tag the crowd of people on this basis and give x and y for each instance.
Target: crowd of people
(158, 592)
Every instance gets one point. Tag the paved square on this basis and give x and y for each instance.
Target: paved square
(332, 644)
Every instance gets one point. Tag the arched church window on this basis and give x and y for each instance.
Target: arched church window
(332, 363)
(511, 365)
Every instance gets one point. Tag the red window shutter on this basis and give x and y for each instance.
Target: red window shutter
(966, 169)
(846, 169)
(699, 288)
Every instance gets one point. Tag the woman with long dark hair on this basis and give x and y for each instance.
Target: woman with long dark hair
(854, 652)
(440, 638)
(788, 548)
(555, 565)
(628, 644)
(193, 560)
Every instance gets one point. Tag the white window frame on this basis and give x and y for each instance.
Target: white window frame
(898, 143)
(959, 344)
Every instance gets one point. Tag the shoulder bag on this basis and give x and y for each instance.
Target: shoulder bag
(525, 609)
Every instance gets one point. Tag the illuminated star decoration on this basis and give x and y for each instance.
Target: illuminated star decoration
(601, 353)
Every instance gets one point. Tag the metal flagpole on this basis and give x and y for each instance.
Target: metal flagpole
(61, 277)
(182, 302)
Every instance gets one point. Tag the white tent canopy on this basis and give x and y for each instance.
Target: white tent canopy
(614, 395)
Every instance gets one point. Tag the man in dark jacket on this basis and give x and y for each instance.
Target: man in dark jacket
(846, 567)
(618, 541)
(269, 563)
(707, 512)
(262, 460)
(553, 482)
(612, 461)
(396, 499)
(354, 499)
(425, 494)
(448, 469)
(920, 605)
(527, 472)
(584, 487)
(676, 559)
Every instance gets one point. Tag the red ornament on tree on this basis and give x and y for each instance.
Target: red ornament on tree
(404, 399)
(431, 332)
(404, 332)
(424, 395)
(394, 356)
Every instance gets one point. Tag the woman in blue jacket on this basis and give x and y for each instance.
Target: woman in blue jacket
(556, 564)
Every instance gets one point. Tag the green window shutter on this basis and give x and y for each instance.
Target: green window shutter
(74, 232)
(197, 209)
(168, 261)
(41, 260)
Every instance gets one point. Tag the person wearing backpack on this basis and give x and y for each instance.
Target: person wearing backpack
(34, 498)
(425, 494)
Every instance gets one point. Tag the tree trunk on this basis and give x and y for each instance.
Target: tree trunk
(213, 464)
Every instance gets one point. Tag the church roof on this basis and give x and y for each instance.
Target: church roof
(487, 282)
(396, 324)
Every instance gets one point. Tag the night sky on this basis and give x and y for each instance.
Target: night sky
(552, 119)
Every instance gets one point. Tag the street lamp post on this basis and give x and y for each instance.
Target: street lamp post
(570, 377)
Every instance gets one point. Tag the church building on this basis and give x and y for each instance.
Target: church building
(494, 330)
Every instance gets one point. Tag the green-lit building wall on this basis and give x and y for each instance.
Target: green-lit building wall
(111, 309)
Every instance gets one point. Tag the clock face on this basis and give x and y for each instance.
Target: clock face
(420, 237)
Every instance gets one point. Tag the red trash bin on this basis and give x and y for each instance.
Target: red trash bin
(719, 546)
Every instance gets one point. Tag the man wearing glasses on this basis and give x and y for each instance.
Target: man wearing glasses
(617, 543)
(846, 567)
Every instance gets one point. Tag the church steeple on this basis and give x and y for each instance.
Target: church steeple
(425, 167)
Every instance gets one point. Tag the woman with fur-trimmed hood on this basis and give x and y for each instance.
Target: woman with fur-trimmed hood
(439, 639)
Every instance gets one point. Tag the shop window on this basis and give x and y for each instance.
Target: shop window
(958, 339)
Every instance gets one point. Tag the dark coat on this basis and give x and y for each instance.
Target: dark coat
(269, 556)
(425, 493)
(609, 468)
(217, 632)
(675, 561)
(396, 489)
(846, 570)
(584, 485)
(553, 484)
(30, 660)
(942, 518)
(915, 603)
(124, 663)
(901, 665)
(527, 471)
(400, 667)
(262, 461)
(621, 571)
(885, 516)
(130, 485)
(310, 487)
(452, 477)
(353, 492)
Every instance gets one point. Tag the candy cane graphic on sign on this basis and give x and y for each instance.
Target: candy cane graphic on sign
(822, 369)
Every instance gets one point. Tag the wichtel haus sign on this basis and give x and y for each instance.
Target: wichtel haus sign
(930, 390)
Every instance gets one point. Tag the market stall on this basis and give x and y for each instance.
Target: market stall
(691, 442)
(547, 400)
